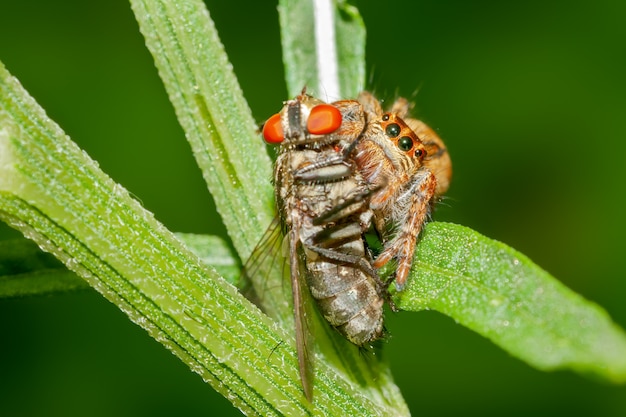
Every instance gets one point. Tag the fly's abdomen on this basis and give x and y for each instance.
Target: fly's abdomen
(349, 301)
(348, 297)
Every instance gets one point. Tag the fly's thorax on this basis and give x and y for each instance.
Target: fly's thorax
(300, 175)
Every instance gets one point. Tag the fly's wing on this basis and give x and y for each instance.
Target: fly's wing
(303, 343)
(262, 268)
(271, 254)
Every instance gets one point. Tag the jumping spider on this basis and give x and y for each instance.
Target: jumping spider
(410, 164)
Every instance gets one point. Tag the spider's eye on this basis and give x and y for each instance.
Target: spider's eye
(405, 143)
(392, 130)
(419, 153)
(385, 117)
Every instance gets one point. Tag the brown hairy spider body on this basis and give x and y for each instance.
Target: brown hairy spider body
(411, 166)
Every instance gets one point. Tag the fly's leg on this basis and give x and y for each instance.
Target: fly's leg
(414, 204)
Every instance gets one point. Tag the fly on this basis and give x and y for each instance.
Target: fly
(323, 204)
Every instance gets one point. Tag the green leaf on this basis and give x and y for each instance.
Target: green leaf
(323, 48)
(213, 251)
(499, 293)
(218, 125)
(27, 271)
(211, 109)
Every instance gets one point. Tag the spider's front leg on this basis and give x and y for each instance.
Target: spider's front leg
(411, 209)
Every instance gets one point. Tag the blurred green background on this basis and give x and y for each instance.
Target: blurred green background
(529, 96)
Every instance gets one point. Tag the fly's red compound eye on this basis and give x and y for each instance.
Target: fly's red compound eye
(323, 119)
(273, 130)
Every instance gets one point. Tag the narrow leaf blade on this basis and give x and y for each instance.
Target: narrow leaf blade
(305, 56)
(218, 125)
(211, 108)
(499, 293)
(26, 271)
(214, 252)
